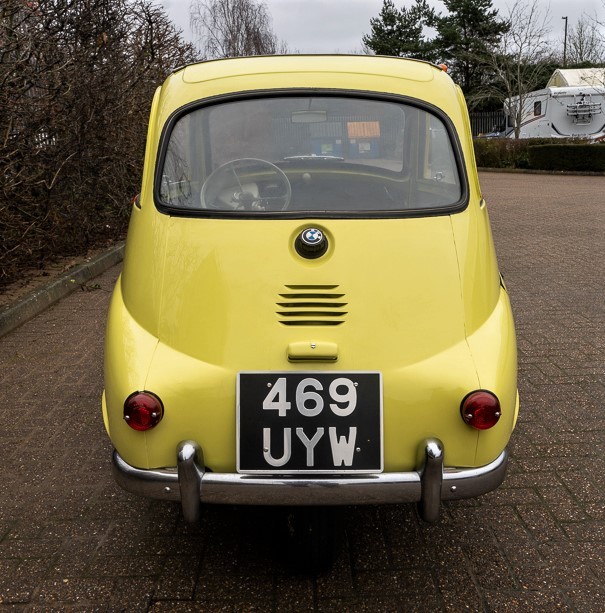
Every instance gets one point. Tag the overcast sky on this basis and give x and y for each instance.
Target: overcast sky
(336, 26)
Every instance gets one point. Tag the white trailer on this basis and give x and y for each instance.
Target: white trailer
(571, 105)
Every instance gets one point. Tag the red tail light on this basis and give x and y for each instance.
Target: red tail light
(480, 409)
(143, 411)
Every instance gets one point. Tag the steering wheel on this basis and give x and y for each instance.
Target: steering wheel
(246, 184)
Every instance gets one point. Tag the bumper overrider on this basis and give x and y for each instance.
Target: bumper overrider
(193, 485)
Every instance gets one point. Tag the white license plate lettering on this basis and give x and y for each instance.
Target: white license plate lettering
(342, 446)
(349, 397)
(276, 398)
(309, 400)
(309, 422)
(310, 443)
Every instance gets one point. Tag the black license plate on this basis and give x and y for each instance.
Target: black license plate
(309, 422)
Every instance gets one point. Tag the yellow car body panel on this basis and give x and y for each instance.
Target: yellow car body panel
(200, 297)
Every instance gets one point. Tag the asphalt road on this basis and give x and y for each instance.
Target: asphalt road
(70, 539)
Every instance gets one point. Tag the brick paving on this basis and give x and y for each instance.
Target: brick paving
(70, 539)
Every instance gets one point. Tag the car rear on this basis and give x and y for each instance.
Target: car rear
(310, 291)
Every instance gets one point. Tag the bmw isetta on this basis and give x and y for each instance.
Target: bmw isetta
(310, 311)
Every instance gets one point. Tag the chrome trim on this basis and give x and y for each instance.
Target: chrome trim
(190, 469)
(431, 479)
(428, 485)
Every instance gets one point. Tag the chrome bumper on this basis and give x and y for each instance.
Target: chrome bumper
(190, 483)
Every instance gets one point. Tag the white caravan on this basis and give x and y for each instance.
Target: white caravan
(571, 105)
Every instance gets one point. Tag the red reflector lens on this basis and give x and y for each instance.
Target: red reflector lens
(143, 410)
(481, 410)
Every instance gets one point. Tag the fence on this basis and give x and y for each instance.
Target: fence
(483, 122)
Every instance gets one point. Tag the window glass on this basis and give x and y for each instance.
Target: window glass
(537, 108)
(317, 154)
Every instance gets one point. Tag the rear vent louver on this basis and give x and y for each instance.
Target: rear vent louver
(311, 305)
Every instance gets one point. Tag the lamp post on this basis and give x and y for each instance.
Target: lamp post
(565, 44)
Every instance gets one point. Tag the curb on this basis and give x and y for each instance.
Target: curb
(40, 299)
(535, 171)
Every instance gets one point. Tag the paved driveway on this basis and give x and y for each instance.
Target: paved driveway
(69, 538)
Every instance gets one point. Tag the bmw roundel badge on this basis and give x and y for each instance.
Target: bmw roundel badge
(312, 236)
(311, 243)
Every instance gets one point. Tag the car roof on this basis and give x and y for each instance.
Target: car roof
(417, 70)
(378, 74)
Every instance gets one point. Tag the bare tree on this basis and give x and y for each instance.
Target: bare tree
(234, 28)
(520, 60)
(585, 42)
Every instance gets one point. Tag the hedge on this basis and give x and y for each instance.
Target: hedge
(540, 154)
(76, 83)
(587, 157)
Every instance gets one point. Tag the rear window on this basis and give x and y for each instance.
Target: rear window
(315, 155)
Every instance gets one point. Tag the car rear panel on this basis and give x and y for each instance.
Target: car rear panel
(390, 301)
(417, 299)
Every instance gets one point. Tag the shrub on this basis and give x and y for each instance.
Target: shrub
(500, 152)
(570, 157)
(76, 83)
(539, 154)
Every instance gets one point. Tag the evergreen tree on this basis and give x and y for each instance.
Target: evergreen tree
(465, 39)
(400, 32)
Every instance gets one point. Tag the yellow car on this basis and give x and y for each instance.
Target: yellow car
(310, 311)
